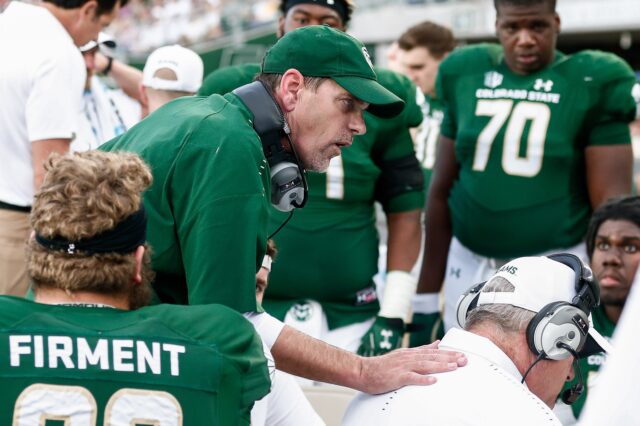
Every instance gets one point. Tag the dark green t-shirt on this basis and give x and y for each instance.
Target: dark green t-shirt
(203, 364)
(329, 250)
(520, 142)
(208, 204)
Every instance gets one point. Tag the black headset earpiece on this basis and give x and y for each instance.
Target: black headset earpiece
(288, 176)
(587, 291)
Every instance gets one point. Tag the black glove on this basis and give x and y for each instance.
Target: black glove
(427, 329)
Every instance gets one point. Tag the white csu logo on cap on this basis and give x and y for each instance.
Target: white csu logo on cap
(367, 57)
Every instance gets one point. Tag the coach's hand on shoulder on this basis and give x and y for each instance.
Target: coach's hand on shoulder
(384, 336)
(427, 328)
(410, 366)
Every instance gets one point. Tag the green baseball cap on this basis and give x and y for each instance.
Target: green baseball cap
(321, 51)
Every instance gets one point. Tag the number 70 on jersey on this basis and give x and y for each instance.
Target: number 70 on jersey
(503, 111)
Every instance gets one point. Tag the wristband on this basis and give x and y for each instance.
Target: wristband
(398, 290)
(426, 303)
(106, 69)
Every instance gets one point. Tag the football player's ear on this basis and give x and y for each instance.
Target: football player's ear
(139, 257)
(144, 100)
(280, 31)
(557, 23)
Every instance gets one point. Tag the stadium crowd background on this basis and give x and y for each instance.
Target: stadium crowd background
(146, 24)
(226, 32)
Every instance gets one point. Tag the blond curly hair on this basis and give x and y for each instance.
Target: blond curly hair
(83, 195)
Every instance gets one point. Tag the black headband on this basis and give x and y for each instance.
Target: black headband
(337, 5)
(124, 238)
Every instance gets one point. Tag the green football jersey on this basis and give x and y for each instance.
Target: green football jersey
(208, 204)
(329, 250)
(520, 141)
(427, 134)
(226, 79)
(170, 365)
(590, 366)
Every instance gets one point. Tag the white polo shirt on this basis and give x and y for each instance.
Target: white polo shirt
(487, 391)
(614, 401)
(42, 77)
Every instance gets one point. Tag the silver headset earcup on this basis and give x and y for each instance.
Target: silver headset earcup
(561, 322)
(286, 186)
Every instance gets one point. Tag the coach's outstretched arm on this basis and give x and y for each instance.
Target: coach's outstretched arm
(301, 355)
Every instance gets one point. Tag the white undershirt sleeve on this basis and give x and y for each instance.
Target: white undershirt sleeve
(267, 327)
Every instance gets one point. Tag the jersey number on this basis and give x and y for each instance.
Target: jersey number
(425, 142)
(75, 406)
(501, 110)
(335, 179)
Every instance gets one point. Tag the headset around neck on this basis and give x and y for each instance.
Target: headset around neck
(289, 188)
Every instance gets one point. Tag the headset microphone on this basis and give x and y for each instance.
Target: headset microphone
(572, 394)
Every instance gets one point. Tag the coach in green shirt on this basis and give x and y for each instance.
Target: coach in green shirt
(308, 287)
(208, 204)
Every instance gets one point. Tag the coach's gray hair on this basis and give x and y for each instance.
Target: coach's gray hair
(509, 318)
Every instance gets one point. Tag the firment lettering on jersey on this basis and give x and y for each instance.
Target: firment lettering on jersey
(519, 94)
(126, 355)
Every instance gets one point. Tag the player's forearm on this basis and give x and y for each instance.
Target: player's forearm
(437, 240)
(126, 77)
(437, 218)
(403, 244)
(301, 355)
(305, 356)
(609, 171)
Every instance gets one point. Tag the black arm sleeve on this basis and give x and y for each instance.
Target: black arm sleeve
(398, 176)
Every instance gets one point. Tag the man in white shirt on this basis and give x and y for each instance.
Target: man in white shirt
(522, 330)
(41, 79)
(614, 401)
